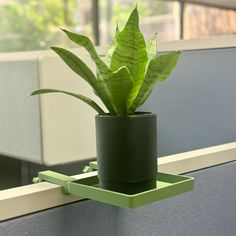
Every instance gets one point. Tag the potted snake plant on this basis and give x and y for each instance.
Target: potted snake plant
(126, 139)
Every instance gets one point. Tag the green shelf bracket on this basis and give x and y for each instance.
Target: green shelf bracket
(55, 178)
(91, 167)
(168, 185)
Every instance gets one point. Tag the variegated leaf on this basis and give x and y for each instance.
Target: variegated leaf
(77, 65)
(151, 45)
(159, 69)
(87, 100)
(131, 52)
(88, 45)
(111, 49)
(120, 85)
(80, 68)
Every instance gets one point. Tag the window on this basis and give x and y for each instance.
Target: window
(203, 21)
(155, 16)
(34, 25)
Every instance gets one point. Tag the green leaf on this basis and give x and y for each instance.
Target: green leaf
(104, 73)
(77, 65)
(111, 49)
(87, 100)
(88, 45)
(120, 85)
(151, 46)
(159, 69)
(80, 68)
(131, 52)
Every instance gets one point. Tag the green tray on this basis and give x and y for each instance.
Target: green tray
(168, 185)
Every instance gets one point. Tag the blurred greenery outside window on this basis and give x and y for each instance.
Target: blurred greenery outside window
(204, 21)
(34, 24)
(160, 17)
(28, 25)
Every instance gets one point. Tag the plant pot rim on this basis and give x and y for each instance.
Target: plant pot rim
(136, 115)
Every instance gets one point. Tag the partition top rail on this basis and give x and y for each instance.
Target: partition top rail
(35, 197)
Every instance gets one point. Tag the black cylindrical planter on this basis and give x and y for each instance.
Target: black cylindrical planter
(127, 152)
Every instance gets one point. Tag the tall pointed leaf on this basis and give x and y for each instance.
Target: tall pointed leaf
(77, 65)
(87, 100)
(104, 72)
(80, 68)
(88, 45)
(152, 47)
(158, 70)
(131, 52)
(111, 49)
(120, 85)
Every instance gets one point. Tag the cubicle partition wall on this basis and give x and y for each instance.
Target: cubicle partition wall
(209, 210)
(195, 107)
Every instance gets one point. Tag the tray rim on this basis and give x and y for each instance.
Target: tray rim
(186, 179)
(131, 200)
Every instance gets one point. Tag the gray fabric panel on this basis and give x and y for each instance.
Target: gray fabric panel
(19, 114)
(196, 105)
(209, 210)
